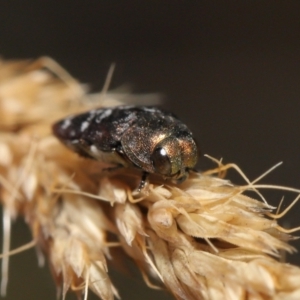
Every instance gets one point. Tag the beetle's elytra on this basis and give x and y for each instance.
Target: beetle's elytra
(147, 138)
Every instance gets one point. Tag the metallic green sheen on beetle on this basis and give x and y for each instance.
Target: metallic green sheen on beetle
(147, 138)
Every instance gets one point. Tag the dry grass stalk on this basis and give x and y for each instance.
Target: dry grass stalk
(203, 239)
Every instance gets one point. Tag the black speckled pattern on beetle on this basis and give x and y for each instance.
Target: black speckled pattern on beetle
(147, 138)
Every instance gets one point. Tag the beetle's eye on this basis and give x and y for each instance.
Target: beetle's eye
(161, 161)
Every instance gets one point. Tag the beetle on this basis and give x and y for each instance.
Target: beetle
(148, 138)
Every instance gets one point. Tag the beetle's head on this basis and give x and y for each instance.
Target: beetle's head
(174, 156)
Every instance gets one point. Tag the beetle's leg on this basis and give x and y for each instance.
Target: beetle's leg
(144, 181)
(78, 146)
(181, 179)
(112, 169)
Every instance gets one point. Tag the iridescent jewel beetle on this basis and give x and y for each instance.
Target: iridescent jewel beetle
(147, 138)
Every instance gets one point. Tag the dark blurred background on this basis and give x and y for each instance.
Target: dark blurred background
(229, 69)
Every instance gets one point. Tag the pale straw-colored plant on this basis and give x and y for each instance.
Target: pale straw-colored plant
(203, 239)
